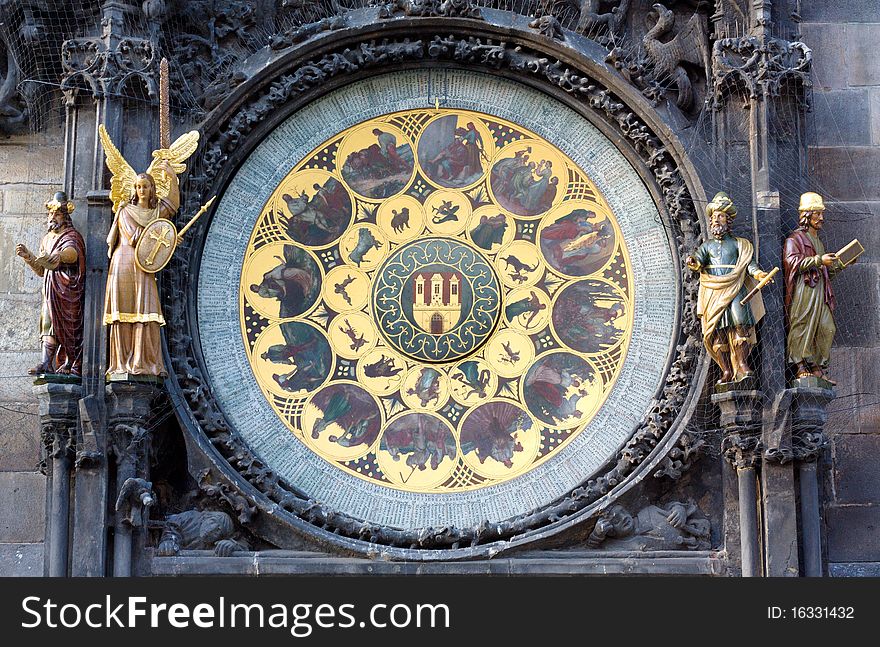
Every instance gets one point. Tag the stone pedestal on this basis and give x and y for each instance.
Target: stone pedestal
(739, 409)
(741, 415)
(59, 409)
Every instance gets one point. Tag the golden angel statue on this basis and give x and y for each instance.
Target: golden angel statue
(131, 303)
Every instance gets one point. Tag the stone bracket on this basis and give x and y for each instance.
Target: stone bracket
(59, 408)
(741, 419)
(800, 422)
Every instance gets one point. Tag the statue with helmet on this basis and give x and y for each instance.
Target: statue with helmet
(809, 298)
(61, 263)
(729, 303)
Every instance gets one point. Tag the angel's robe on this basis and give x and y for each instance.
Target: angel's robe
(131, 301)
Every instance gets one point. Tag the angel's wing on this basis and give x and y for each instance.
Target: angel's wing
(122, 182)
(182, 148)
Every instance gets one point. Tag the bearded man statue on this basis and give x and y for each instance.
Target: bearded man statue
(809, 299)
(61, 263)
(727, 273)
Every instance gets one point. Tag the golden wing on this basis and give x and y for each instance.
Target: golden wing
(182, 148)
(122, 182)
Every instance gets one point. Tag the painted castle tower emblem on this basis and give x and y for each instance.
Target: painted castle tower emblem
(436, 304)
(436, 300)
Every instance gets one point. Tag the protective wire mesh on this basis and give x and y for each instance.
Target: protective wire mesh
(208, 41)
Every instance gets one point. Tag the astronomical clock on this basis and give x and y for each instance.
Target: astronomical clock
(436, 298)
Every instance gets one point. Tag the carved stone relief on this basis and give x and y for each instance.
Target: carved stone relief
(674, 526)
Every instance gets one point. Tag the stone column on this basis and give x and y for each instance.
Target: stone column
(129, 408)
(59, 407)
(753, 67)
(808, 439)
(741, 446)
(98, 73)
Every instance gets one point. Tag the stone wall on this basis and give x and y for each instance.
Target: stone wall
(30, 171)
(844, 157)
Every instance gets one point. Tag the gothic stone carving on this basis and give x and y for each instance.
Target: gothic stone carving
(688, 448)
(58, 413)
(13, 111)
(798, 433)
(690, 45)
(675, 526)
(480, 53)
(757, 68)
(548, 26)
(134, 501)
(742, 449)
(602, 27)
(27, 51)
(89, 63)
(199, 530)
(429, 8)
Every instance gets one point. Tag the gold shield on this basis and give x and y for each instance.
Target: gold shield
(156, 245)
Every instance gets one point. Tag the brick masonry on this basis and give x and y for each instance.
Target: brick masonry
(844, 152)
(30, 171)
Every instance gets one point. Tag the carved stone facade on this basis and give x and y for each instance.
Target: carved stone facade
(168, 469)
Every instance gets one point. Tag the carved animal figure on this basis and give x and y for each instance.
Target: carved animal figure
(690, 45)
(400, 220)
(366, 243)
(590, 19)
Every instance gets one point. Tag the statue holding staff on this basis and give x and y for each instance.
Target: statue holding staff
(61, 263)
(131, 306)
(141, 241)
(727, 273)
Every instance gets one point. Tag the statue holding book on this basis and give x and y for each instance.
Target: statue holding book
(809, 298)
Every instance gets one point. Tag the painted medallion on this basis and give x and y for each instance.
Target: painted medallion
(436, 300)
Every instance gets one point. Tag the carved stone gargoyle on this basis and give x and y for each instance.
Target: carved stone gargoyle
(135, 498)
(675, 526)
